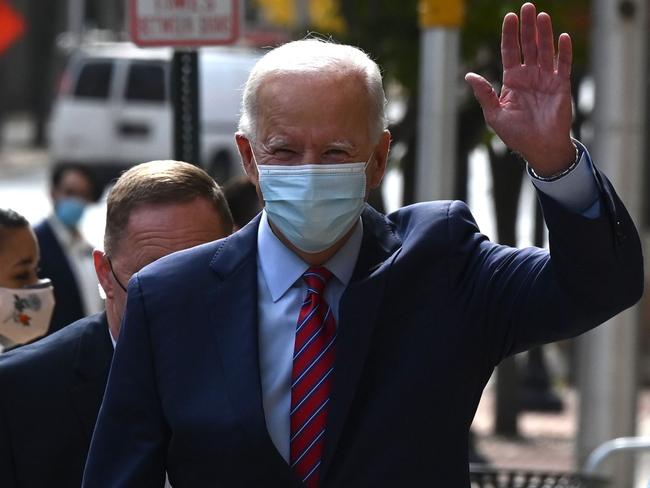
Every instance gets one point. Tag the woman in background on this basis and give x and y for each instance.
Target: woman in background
(26, 303)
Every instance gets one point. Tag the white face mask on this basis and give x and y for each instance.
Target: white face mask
(25, 313)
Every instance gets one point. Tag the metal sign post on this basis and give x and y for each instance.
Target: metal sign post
(185, 24)
(184, 84)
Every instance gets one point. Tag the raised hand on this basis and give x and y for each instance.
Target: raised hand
(532, 114)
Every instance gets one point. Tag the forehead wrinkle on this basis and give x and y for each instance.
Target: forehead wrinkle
(162, 240)
(165, 237)
(147, 250)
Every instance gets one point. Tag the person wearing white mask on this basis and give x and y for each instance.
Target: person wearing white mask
(66, 257)
(51, 390)
(26, 302)
(328, 345)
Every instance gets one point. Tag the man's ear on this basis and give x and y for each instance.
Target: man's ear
(246, 154)
(103, 271)
(377, 166)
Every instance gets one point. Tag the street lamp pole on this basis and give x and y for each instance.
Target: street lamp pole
(440, 22)
(608, 355)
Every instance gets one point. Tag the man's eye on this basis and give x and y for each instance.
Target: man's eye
(336, 155)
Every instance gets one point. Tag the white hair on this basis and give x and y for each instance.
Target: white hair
(314, 56)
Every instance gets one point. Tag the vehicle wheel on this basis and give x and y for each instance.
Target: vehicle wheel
(220, 167)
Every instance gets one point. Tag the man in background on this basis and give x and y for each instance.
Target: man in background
(243, 200)
(52, 389)
(66, 257)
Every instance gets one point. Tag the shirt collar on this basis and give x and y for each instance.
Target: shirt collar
(113, 340)
(61, 232)
(281, 267)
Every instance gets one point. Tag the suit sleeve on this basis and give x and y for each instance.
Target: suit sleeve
(7, 471)
(528, 297)
(129, 443)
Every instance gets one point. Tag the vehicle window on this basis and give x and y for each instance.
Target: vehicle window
(94, 80)
(145, 82)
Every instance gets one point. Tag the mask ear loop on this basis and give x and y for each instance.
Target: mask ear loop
(110, 264)
(257, 166)
(372, 155)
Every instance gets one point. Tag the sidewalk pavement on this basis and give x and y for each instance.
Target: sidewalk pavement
(547, 440)
(17, 156)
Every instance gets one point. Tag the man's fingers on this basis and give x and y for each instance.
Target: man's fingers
(529, 34)
(545, 43)
(483, 92)
(510, 50)
(564, 56)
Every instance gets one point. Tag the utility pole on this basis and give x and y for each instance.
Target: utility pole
(608, 355)
(440, 22)
(303, 17)
(76, 19)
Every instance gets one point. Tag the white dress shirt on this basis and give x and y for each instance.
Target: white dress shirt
(281, 292)
(80, 256)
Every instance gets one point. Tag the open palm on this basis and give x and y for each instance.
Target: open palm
(532, 114)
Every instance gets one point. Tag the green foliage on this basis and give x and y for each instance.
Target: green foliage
(482, 28)
(389, 30)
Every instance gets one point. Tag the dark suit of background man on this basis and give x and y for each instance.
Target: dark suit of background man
(325, 344)
(52, 389)
(66, 257)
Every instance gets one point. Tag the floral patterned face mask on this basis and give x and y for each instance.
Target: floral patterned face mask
(25, 313)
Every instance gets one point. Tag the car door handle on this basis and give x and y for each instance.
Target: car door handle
(133, 129)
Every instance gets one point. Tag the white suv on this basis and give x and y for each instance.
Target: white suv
(113, 109)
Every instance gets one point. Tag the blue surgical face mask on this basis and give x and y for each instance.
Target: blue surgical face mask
(69, 210)
(313, 205)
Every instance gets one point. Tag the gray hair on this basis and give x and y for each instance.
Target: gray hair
(314, 56)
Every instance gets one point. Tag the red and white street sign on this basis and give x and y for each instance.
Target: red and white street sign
(184, 22)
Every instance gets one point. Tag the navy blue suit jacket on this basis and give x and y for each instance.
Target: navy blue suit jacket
(50, 393)
(432, 307)
(55, 265)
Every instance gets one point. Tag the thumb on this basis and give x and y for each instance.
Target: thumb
(483, 92)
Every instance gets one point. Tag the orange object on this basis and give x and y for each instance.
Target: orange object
(12, 26)
(441, 13)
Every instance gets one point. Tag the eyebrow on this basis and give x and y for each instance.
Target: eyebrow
(24, 262)
(274, 142)
(343, 144)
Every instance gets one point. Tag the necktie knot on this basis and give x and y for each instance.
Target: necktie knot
(316, 278)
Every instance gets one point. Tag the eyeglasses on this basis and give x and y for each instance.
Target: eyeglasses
(110, 264)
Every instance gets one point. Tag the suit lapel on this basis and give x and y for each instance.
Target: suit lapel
(234, 314)
(357, 317)
(93, 357)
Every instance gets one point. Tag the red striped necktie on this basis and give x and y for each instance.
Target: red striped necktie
(311, 378)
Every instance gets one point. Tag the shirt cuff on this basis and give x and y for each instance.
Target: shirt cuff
(576, 190)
